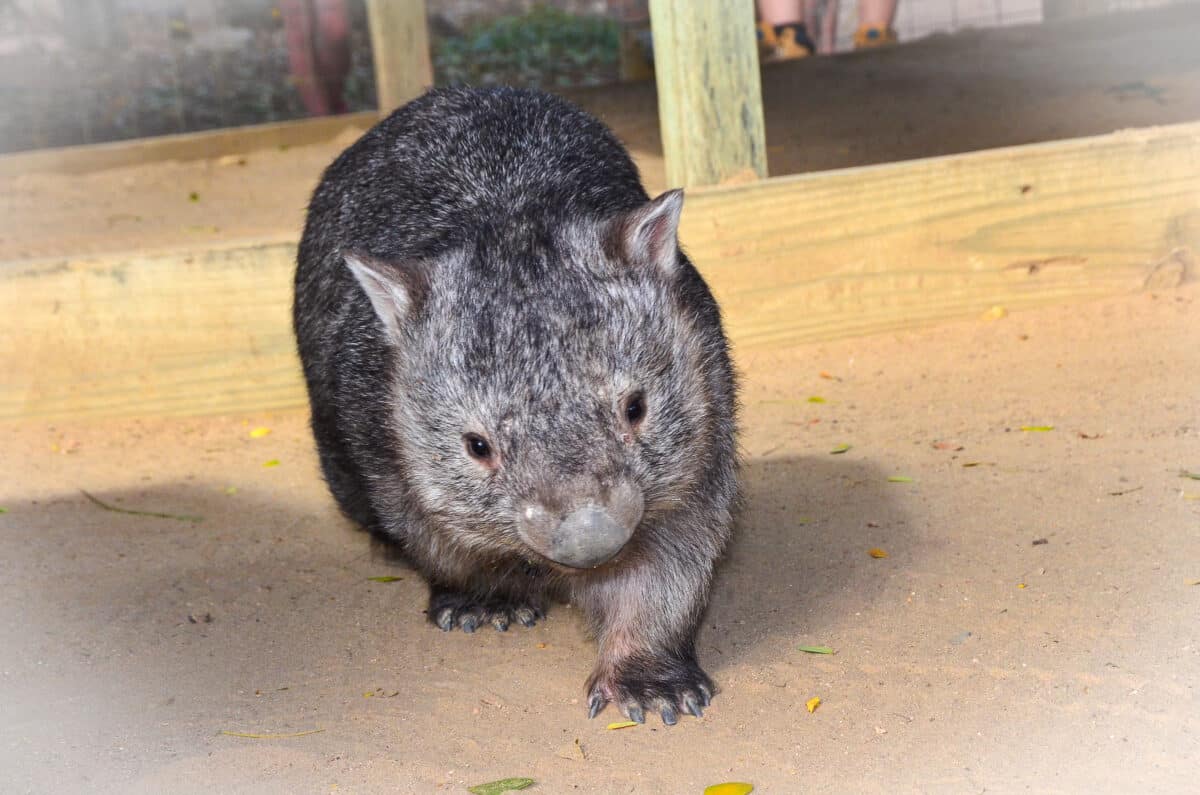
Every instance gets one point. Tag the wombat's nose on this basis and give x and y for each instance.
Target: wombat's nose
(589, 535)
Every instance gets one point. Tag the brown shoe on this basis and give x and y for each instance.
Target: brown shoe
(868, 37)
(767, 40)
(793, 42)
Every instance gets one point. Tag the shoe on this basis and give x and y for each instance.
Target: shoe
(784, 42)
(869, 36)
(792, 41)
(767, 41)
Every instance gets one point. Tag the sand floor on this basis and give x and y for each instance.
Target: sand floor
(1033, 627)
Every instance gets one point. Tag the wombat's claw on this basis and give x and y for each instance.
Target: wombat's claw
(450, 609)
(671, 689)
(527, 616)
(444, 619)
(596, 703)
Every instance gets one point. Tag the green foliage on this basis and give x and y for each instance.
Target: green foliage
(545, 47)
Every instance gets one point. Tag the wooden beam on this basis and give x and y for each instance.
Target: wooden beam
(709, 94)
(204, 332)
(791, 260)
(184, 146)
(400, 49)
(879, 248)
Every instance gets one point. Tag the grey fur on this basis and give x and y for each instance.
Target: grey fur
(485, 263)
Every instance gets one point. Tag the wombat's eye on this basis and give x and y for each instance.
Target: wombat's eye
(635, 408)
(478, 448)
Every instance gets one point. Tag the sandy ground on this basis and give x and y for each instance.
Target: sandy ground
(942, 95)
(1033, 627)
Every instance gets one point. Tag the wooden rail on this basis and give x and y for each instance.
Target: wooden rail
(792, 259)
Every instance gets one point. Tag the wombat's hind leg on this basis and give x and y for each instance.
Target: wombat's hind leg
(450, 608)
(668, 684)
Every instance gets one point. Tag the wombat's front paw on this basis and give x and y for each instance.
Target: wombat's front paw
(670, 686)
(449, 609)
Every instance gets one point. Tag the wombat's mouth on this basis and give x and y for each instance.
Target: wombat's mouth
(584, 539)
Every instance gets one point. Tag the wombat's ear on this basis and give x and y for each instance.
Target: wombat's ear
(395, 289)
(649, 234)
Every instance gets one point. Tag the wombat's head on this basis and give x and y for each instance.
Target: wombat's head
(554, 390)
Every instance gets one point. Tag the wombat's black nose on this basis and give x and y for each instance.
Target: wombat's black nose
(589, 535)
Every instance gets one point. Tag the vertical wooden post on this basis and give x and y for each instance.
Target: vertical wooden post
(400, 48)
(709, 93)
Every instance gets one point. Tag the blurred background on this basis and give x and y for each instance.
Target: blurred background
(88, 71)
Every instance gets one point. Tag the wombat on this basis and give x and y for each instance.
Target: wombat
(518, 377)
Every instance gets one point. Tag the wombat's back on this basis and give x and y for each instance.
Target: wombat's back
(450, 165)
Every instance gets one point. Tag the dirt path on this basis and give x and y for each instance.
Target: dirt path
(974, 657)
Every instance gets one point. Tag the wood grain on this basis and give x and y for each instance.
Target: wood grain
(709, 93)
(870, 249)
(184, 146)
(171, 334)
(400, 49)
(791, 260)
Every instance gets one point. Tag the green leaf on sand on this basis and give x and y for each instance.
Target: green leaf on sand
(385, 578)
(817, 649)
(1037, 428)
(500, 787)
(841, 448)
(816, 399)
(179, 517)
(1183, 473)
(271, 736)
(899, 479)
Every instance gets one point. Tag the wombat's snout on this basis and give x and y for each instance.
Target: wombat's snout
(588, 533)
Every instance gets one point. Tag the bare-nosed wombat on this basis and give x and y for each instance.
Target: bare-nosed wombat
(517, 376)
